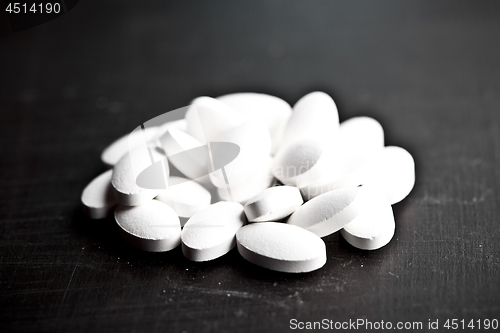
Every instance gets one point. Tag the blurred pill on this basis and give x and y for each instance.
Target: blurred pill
(314, 116)
(259, 181)
(305, 162)
(116, 150)
(254, 144)
(208, 118)
(267, 109)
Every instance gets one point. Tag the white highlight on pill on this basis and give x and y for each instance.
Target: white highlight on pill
(374, 227)
(184, 196)
(152, 226)
(360, 136)
(393, 172)
(267, 109)
(118, 148)
(207, 119)
(355, 172)
(305, 162)
(258, 182)
(193, 164)
(281, 247)
(125, 173)
(97, 197)
(210, 233)
(359, 140)
(255, 145)
(331, 211)
(273, 204)
(314, 116)
(180, 124)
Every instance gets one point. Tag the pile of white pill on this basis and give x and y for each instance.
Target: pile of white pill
(298, 175)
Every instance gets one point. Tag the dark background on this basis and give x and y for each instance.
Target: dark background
(428, 71)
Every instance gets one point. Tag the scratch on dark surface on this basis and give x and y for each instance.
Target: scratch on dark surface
(13, 275)
(224, 292)
(437, 200)
(347, 263)
(71, 277)
(234, 293)
(393, 274)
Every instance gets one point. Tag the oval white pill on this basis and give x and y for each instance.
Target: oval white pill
(273, 204)
(208, 118)
(254, 142)
(118, 148)
(314, 116)
(331, 211)
(125, 172)
(270, 110)
(258, 182)
(374, 227)
(305, 162)
(97, 198)
(152, 226)
(210, 233)
(281, 247)
(186, 197)
(393, 172)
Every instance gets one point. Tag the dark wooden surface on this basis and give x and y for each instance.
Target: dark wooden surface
(429, 72)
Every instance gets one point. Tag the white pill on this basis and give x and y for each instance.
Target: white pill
(258, 182)
(211, 232)
(185, 196)
(392, 171)
(116, 150)
(361, 136)
(254, 142)
(152, 226)
(208, 118)
(314, 116)
(360, 139)
(193, 163)
(374, 227)
(97, 198)
(281, 247)
(270, 110)
(355, 170)
(305, 162)
(331, 211)
(125, 174)
(273, 204)
(180, 125)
